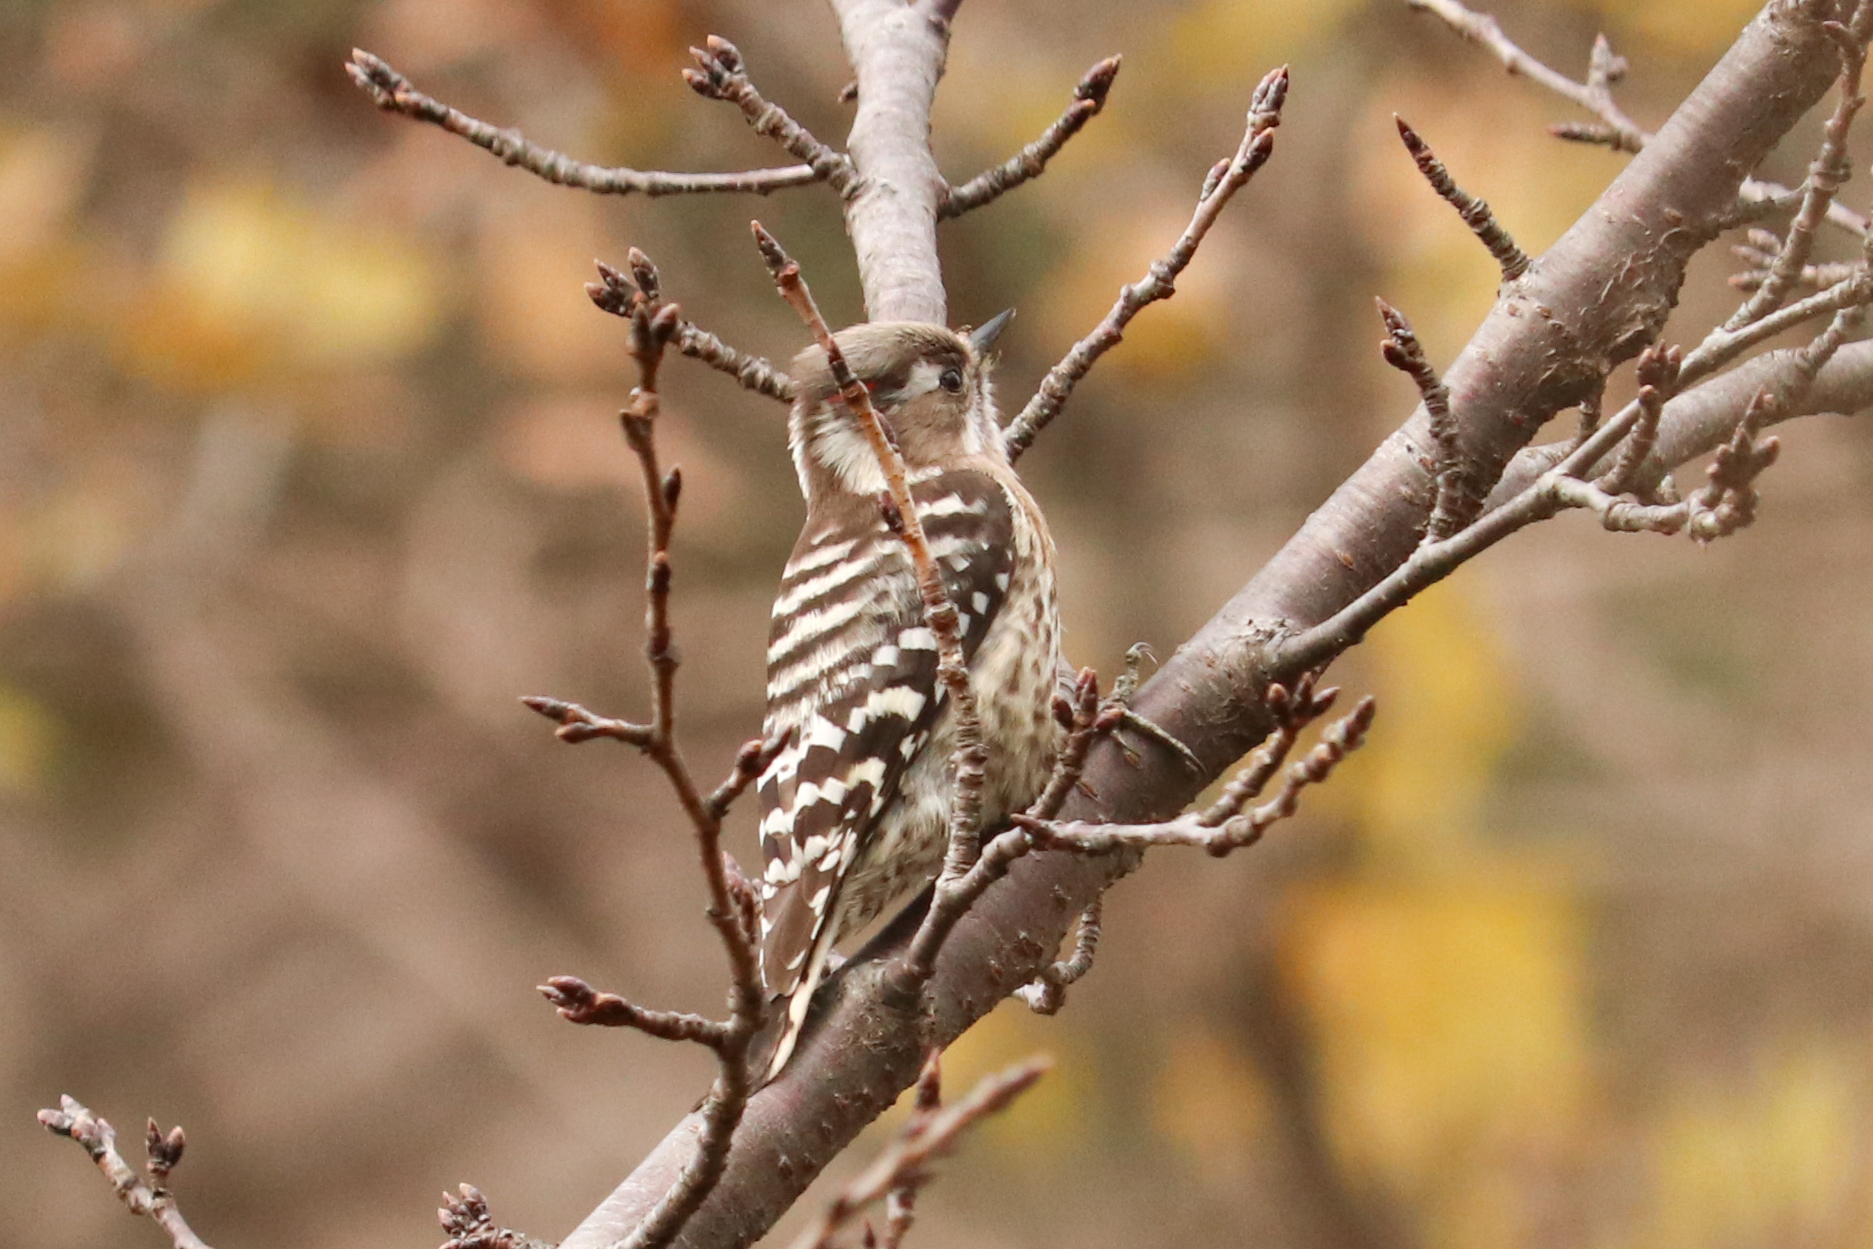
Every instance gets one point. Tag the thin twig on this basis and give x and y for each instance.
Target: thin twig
(1048, 991)
(1224, 180)
(1452, 503)
(619, 293)
(720, 74)
(393, 93)
(1826, 174)
(1238, 829)
(733, 908)
(1031, 161)
(1475, 212)
(578, 1002)
(1657, 375)
(930, 1134)
(900, 1204)
(1614, 128)
(1551, 492)
(1759, 251)
(150, 1198)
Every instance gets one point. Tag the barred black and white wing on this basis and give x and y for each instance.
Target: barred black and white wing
(852, 687)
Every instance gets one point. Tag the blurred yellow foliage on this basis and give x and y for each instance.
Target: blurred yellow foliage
(1448, 711)
(1688, 27)
(1778, 1160)
(1167, 338)
(43, 170)
(535, 258)
(252, 278)
(1451, 1017)
(1447, 987)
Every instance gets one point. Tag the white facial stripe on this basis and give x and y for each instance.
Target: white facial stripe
(846, 452)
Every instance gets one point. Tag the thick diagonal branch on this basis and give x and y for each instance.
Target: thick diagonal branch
(1613, 128)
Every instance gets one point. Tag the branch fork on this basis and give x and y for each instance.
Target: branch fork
(394, 93)
(1230, 824)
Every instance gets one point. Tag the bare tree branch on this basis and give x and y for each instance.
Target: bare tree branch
(1219, 832)
(897, 51)
(1614, 128)
(733, 905)
(1031, 161)
(1224, 180)
(150, 1198)
(931, 1133)
(394, 93)
(721, 75)
(1476, 214)
(619, 295)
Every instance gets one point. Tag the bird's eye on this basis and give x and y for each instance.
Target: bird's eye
(951, 380)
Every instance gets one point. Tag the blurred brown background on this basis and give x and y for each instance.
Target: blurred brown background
(308, 468)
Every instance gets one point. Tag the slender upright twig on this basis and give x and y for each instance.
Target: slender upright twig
(1031, 161)
(1826, 174)
(1476, 213)
(733, 908)
(1451, 505)
(970, 760)
(1224, 180)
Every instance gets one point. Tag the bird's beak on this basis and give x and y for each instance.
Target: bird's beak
(983, 336)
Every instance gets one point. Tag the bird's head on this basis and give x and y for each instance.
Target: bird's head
(930, 386)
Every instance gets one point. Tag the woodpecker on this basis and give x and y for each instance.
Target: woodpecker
(855, 804)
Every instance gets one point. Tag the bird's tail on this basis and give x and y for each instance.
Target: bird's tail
(795, 1004)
